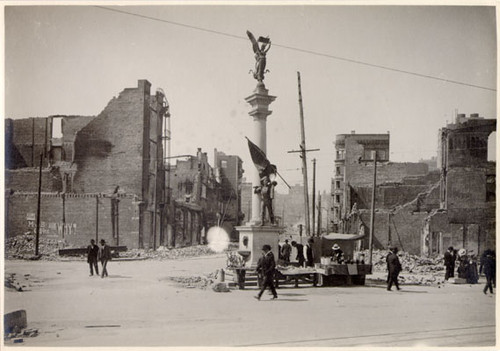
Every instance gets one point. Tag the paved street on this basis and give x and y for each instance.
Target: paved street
(139, 306)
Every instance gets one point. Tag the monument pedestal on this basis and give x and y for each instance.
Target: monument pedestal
(252, 238)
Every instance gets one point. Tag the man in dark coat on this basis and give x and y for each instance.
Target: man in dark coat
(300, 252)
(286, 249)
(267, 267)
(92, 254)
(104, 256)
(488, 267)
(449, 263)
(309, 253)
(393, 267)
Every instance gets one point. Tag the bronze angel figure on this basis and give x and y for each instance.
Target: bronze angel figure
(260, 55)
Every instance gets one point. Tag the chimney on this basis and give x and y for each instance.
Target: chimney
(353, 132)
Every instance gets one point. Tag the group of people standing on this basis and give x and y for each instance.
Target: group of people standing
(467, 267)
(95, 254)
(308, 258)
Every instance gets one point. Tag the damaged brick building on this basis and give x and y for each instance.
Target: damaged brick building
(466, 215)
(195, 195)
(103, 177)
(229, 173)
(420, 211)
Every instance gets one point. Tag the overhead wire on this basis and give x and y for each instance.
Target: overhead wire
(311, 52)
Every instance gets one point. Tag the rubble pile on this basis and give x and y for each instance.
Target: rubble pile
(193, 282)
(23, 247)
(164, 253)
(416, 270)
(11, 282)
(410, 263)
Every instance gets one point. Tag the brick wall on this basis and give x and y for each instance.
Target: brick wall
(362, 174)
(466, 187)
(70, 127)
(72, 218)
(30, 137)
(109, 149)
(27, 179)
(386, 196)
(402, 229)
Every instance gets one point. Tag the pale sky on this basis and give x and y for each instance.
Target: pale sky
(73, 59)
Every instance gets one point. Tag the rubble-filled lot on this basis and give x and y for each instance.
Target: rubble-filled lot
(416, 270)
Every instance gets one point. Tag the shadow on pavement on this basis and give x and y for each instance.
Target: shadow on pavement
(291, 294)
(118, 276)
(288, 300)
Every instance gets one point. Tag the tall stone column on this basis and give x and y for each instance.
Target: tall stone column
(260, 101)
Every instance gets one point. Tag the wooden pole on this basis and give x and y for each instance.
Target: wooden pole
(314, 198)
(37, 239)
(97, 218)
(372, 219)
(304, 160)
(318, 233)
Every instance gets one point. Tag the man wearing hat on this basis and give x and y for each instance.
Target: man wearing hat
(92, 254)
(394, 267)
(104, 256)
(337, 254)
(449, 263)
(267, 266)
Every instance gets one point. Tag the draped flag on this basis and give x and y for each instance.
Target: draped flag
(259, 159)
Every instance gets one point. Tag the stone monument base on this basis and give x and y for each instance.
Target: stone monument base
(253, 237)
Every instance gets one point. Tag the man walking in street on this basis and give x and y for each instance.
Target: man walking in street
(267, 267)
(300, 252)
(488, 267)
(92, 254)
(393, 267)
(104, 256)
(449, 263)
(286, 250)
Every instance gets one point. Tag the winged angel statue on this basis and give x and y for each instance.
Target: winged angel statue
(260, 55)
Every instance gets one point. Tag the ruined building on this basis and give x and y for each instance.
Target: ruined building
(420, 211)
(466, 215)
(102, 177)
(229, 173)
(196, 199)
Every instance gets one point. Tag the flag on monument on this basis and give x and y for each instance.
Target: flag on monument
(259, 158)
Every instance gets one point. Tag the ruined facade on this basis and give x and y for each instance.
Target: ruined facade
(354, 172)
(229, 173)
(420, 211)
(196, 200)
(466, 216)
(103, 176)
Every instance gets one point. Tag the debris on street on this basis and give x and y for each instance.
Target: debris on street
(416, 270)
(11, 282)
(193, 282)
(163, 253)
(23, 247)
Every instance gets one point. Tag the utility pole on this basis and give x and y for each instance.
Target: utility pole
(37, 239)
(314, 198)
(97, 218)
(318, 233)
(303, 151)
(372, 219)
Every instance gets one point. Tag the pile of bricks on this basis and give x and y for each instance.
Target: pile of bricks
(23, 247)
(193, 282)
(416, 270)
(410, 263)
(163, 253)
